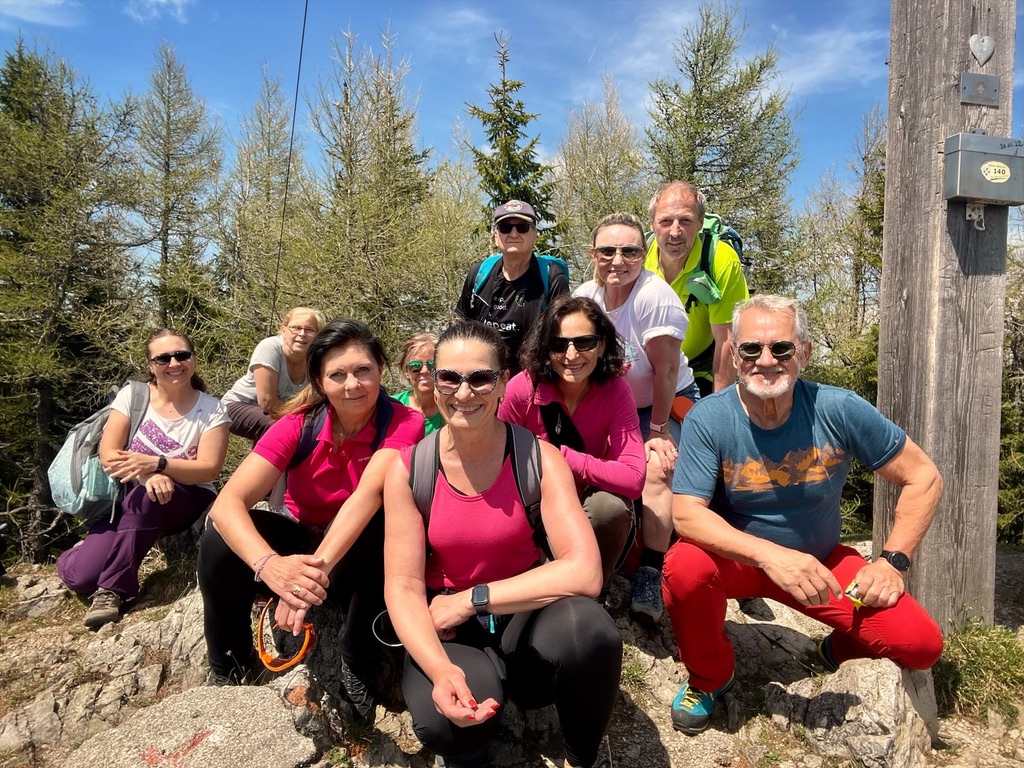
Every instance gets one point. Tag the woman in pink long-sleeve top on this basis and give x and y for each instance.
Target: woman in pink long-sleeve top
(573, 393)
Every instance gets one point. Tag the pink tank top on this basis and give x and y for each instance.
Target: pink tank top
(479, 539)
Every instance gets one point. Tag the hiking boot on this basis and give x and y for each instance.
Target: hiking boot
(475, 761)
(647, 593)
(358, 694)
(692, 707)
(105, 608)
(828, 661)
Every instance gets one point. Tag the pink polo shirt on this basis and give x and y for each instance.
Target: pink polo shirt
(318, 487)
(613, 459)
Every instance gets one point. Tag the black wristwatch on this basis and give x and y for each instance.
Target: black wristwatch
(481, 597)
(897, 560)
(161, 465)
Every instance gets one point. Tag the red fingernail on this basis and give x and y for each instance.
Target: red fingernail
(492, 713)
(471, 716)
(472, 703)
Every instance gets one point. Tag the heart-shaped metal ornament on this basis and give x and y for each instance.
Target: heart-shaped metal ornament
(982, 46)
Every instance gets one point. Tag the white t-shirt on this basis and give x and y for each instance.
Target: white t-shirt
(174, 438)
(270, 354)
(651, 310)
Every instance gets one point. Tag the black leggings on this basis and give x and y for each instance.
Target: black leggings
(228, 588)
(568, 653)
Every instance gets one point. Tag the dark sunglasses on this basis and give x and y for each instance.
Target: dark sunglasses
(629, 252)
(781, 350)
(522, 227)
(482, 381)
(560, 344)
(181, 356)
(415, 366)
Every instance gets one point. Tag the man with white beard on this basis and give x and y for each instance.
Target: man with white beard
(756, 505)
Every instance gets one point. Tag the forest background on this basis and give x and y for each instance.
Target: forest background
(118, 215)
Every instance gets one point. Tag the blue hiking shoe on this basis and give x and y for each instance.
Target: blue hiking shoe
(692, 707)
(647, 601)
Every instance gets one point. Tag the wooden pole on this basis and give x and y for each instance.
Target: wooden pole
(943, 296)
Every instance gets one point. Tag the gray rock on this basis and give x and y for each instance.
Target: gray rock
(37, 594)
(230, 727)
(870, 711)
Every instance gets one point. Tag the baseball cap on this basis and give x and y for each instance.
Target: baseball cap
(514, 209)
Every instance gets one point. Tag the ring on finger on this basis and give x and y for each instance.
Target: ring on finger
(296, 590)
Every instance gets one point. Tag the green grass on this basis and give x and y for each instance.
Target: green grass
(634, 672)
(981, 668)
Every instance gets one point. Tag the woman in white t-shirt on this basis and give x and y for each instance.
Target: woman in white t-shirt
(651, 321)
(171, 461)
(277, 371)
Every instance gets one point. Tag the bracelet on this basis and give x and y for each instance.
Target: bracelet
(661, 429)
(261, 563)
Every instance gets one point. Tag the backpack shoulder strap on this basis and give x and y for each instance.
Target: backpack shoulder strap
(382, 419)
(312, 423)
(547, 265)
(526, 469)
(424, 465)
(138, 405)
(484, 271)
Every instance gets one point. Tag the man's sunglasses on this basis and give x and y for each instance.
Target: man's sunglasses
(181, 356)
(415, 366)
(606, 253)
(482, 381)
(281, 663)
(560, 344)
(522, 227)
(751, 350)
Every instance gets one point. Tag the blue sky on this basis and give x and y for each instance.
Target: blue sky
(833, 54)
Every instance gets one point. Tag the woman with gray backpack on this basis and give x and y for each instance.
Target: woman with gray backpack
(168, 462)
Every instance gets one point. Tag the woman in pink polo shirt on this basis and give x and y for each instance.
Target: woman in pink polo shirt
(335, 441)
(573, 393)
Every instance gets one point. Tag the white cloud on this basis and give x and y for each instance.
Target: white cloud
(50, 13)
(834, 59)
(143, 11)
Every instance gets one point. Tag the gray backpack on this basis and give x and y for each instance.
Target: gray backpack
(78, 484)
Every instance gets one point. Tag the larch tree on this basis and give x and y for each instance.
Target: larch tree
(600, 168)
(180, 155)
(510, 170)
(722, 124)
(66, 308)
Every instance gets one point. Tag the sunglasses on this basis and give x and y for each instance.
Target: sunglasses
(481, 382)
(281, 663)
(751, 350)
(181, 356)
(606, 253)
(415, 366)
(560, 344)
(522, 227)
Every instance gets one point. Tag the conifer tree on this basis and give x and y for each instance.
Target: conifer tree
(510, 170)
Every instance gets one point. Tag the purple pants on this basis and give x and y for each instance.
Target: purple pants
(110, 555)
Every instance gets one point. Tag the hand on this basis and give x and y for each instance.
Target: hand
(159, 488)
(129, 465)
(879, 585)
(454, 700)
(283, 573)
(663, 448)
(449, 611)
(802, 576)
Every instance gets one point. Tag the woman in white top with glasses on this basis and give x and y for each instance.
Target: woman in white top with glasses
(277, 371)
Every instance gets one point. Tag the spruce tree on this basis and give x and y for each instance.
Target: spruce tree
(510, 170)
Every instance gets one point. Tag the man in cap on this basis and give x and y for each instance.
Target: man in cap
(511, 289)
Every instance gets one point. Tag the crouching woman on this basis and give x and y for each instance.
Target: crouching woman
(481, 614)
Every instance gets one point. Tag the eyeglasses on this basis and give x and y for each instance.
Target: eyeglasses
(415, 366)
(482, 381)
(164, 359)
(300, 329)
(751, 350)
(281, 663)
(606, 253)
(522, 227)
(560, 344)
